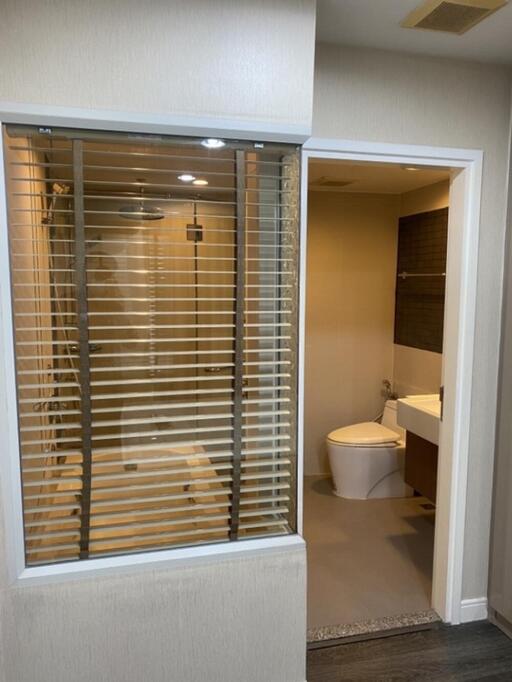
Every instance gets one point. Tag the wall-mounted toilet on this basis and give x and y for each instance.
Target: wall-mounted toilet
(367, 459)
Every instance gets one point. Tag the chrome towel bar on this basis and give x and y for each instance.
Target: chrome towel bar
(405, 275)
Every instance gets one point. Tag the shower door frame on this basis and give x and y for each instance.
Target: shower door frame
(10, 478)
(458, 347)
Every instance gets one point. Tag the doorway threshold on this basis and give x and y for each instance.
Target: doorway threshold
(330, 635)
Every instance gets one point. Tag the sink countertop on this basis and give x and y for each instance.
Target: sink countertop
(421, 414)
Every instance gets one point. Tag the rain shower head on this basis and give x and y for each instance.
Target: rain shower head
(141, 210)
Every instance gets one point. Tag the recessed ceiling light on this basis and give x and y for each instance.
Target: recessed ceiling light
(186, 177)
(410, 168)
(213, 143)
(200, 181)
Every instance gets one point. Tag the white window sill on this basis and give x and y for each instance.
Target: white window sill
(164, 559)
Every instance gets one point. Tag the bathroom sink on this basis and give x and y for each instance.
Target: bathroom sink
(420, 414)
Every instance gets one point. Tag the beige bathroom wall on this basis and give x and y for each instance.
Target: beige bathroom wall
(30, 262)
(380, 96)
(234, 59)
(351, 268)
(417, 371)
(427, 198)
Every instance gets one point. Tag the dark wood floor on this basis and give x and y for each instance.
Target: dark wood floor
(477, 651)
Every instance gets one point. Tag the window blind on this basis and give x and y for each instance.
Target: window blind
(155, 326)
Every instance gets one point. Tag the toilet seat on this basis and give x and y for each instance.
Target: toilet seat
(366, 434)
(367, 460)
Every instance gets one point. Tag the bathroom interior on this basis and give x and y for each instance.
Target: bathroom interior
(375, 283)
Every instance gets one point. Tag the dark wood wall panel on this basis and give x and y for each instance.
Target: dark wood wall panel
(419, 310)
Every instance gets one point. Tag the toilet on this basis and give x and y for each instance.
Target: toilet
(367, 460)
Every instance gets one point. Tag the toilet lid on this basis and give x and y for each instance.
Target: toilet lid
(367, 433)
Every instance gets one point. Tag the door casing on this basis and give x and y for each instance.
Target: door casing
(459, 338)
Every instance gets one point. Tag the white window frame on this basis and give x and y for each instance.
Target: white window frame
(458, 350)
(10, 469)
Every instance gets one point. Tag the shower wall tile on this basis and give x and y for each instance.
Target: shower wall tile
(419, 310)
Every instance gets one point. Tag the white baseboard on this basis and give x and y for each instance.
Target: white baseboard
(473, 609)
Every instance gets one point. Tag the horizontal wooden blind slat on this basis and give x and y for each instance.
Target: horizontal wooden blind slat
(157, 297)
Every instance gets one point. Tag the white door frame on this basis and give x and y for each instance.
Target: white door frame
(458, 349)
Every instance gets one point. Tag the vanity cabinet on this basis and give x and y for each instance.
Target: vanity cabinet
(421, 465)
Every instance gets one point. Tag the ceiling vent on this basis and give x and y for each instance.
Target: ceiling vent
(325, 182)
(451, 16)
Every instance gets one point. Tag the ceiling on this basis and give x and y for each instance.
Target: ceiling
(372, 178)
(376, 24)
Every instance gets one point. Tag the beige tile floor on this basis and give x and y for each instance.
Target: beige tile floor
(366, 558)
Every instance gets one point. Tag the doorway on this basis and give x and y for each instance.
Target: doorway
(462, 175)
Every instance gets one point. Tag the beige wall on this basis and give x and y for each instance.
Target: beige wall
(415, 371)
(351, 268)
(229, 58)
(427, 198)
(418, 371)
(375, 95)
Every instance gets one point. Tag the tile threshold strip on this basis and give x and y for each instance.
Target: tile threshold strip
(366, 629)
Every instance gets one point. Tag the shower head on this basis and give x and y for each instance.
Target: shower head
(141, 210)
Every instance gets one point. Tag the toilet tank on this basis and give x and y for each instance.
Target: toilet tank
(389, 417)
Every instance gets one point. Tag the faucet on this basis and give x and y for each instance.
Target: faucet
(387, 391)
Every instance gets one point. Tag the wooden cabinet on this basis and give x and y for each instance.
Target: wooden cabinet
(421, 465)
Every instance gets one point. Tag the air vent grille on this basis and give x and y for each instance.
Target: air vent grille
(456, 17)
(452, 18)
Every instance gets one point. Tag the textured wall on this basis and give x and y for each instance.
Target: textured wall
(228, 621)
(228, 58)
(500, 586)
(388, 97)
(351, 270)
(238, 619)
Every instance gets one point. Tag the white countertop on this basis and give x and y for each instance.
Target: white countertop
(420, 414)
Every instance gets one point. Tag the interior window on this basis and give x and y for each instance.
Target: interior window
(154, 299)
